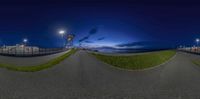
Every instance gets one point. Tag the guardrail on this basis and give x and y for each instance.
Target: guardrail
(29, 52)
(193, 50)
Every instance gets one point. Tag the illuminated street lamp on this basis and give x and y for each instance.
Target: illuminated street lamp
(62, 32)
(25, 41)
(197, 40)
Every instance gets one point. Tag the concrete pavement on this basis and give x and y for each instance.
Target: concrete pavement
(82, 76)
(28, 61)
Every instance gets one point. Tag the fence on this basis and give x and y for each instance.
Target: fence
(29, 51)
(194, 50)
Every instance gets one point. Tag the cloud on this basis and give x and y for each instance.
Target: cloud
(84, 38)
(136, 45)
(91, 32)
(101, 38)
(145, 44)
(131, 44)
(89, 42)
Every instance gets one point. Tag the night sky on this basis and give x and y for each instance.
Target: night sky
(125, 24)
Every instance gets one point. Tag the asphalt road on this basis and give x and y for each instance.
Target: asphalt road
(82, 76)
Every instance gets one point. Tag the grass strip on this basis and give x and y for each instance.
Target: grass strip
(197, 62)
(35, 68)
(135, 62)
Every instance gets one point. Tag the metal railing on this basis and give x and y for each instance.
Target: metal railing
(30, 51)
(194, 50)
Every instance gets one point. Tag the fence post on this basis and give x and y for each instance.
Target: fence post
(39, 51)
(23, 51)
(32, 51)
(15, 51)
(8, 50)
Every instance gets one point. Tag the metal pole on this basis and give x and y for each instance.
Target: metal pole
(197, 46)
(15, 51)
(23, 51)
(8, 51)
(32, 51)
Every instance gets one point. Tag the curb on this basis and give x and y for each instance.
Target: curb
(196, 66)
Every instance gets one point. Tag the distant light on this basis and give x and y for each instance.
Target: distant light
(25, 40)
(61, 32)
(197, 40)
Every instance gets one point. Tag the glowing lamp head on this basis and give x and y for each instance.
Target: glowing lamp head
(61, 32)
(197, 40)
(25, 40)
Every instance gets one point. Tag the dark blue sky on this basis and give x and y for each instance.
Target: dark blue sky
(116, 23)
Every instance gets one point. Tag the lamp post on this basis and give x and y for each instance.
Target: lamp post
(62, 33)
(197, 41)
(25, 41)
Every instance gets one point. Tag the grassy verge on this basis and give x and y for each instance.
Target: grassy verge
(38, 67)
(197, 62)
(136, 62)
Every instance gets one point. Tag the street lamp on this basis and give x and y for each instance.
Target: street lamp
(25, 41)
(62, 32)
(197, 40)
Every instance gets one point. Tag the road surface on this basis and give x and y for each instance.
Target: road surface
(82, 76)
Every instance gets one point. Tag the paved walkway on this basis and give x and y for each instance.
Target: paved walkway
(28, 61)
(82, 76)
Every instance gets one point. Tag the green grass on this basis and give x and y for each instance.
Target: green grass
(197, 62)
(136, 62)
(46, 65)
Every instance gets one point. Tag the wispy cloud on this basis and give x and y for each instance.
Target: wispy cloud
(132, 44)
(101, 38)
(84, 38)
(145, 44)
(91, 32)
(89, 42)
